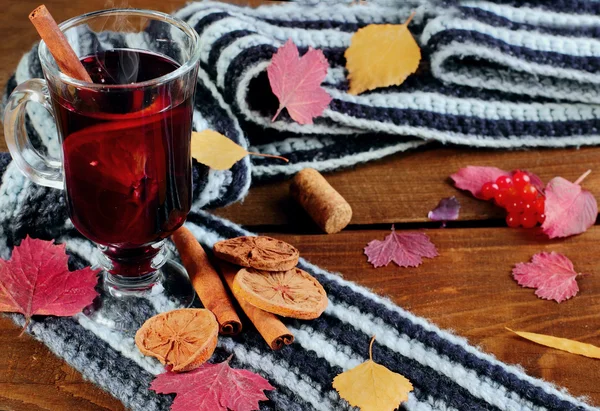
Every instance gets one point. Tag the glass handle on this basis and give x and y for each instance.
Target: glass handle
(37, 167)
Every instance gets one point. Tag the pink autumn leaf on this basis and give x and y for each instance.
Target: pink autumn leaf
(569, 209)
(472, 178)
(405, 249)
(296, 81)
(446, 210)
(552, 274)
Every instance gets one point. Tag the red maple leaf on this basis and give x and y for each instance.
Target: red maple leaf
(37, 281)
(405, 249)
(472, 178)
(296, 81)
(569, 209)
(213, 387)
(552, 274)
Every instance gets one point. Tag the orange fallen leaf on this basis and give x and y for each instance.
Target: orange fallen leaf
(372, 387)
(218, 152)
(563, 344)
(381, 55)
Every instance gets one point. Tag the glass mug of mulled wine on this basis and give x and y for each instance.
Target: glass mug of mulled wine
(126, 164)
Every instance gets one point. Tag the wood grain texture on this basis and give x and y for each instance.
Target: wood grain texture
(404, 187)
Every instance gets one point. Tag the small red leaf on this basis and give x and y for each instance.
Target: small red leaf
(551, 273)
(37, 281)
(472, 178)
(446, 210)
(213, 387)
(405, 249)
(296, 81)
(569, 209)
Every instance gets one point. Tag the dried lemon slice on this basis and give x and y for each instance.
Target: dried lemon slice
(262, 253)
(183, 339)
(293, 293)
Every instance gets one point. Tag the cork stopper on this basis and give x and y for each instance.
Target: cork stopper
(321, 201)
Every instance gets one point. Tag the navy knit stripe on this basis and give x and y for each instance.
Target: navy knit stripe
(565, 6)
(499, 21)
(468, 125)
(549, 58)
(218, 47)
(209, 19)
(444, 347)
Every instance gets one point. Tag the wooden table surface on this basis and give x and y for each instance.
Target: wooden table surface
(468, 288)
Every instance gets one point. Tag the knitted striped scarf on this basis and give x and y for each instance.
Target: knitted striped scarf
(447, 373)
(498, 76)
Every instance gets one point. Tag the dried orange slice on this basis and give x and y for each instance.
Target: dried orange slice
(183, 339)
(293, 293)
(262, 253)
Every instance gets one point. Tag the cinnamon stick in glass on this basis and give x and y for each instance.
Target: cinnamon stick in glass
(206, 281)
(274, 332)
(57, 43)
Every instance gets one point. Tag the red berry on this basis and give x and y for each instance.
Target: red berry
(489, 190)
(521, 179)
(529, 207)
(501, 198)
(528, 220)
(504, 182)
(513, 220)
(528, 193)
(541, 218)
(540, 205)
(514, 205)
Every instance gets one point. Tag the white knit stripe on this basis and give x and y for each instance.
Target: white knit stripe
(460, 138)
(479, 386)
(234, 49)
(366, 12)
(280, 372)
(521, 82)
(460, 49)
(293, 144)
(472, 107)
(342, 356)
(460, 341)
(256, 117)
(333, 163)
(573, 46)
(302, 38)
(535, 16)
(335, 75)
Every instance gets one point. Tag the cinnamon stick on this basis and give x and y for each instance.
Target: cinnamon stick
(57, 43)
(207, 282)
(274, 332)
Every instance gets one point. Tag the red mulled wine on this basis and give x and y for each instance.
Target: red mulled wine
(126, 150)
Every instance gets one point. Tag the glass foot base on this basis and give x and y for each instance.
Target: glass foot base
(127, 305)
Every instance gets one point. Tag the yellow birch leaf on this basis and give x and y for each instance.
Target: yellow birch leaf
(381, 55)
(217, 151)
(372, 387)
(563, 344)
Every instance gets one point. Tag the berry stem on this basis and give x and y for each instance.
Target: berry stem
(371, 348)
(582, 177)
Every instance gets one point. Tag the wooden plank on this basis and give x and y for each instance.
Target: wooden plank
(404, 187)
(32, 378)
(467, 288)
